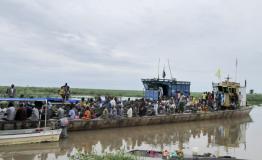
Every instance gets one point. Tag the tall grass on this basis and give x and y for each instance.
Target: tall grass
(53, 92)
(253, 99)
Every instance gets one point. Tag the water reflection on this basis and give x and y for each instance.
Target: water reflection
(227, 133)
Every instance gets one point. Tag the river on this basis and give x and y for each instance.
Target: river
(240, 138)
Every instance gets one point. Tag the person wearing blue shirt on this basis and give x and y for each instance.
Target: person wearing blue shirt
(72, 113)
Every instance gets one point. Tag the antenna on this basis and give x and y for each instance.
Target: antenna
(236, 70)
(170, 69)
(228, 78)
(158, 68)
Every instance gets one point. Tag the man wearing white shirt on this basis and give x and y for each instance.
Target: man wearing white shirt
(113, 103)
(130, 112)
(156, 108)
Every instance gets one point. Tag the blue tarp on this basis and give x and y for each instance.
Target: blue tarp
(61, 100)
(39, 100)
(24, 99)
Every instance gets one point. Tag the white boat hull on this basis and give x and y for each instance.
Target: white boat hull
(25, 138)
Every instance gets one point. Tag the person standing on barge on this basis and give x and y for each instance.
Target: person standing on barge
(11, 91)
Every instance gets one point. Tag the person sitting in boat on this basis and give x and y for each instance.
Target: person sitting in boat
(112, 102)
(156, 107)
(3, 108)
(173, 155)
(72, 113)
(204, 97)
(10, 112)
(121, 111)
(87, 114)
(165, 154)
(142, 111)
(34, 116)
(60, 112)
(93, 111)
(180, 154)
(130, 112)
(21, 113)
(82, 103)
(114, 112)
(182, 103)
(210, 100)
(172, 107)
(218, 100)
(105, 113)
(11, 91)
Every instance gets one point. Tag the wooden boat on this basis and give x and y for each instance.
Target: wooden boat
(23, 136)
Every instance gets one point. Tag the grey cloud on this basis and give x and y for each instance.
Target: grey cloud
(112, 44)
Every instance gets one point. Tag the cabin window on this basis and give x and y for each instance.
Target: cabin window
(225, 89)
(220, 88)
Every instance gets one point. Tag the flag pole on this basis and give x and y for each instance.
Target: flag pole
(164, 72)
(158, 68)
(236, 70)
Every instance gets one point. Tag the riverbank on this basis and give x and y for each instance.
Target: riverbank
(253, 99)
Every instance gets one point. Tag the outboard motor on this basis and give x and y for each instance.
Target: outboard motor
(63, 123)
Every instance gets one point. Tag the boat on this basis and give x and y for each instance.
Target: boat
(24, 136)
(153, 88)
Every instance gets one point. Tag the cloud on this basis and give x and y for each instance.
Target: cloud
(113, 44)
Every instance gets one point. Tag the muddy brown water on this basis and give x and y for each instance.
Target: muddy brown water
(239, 137)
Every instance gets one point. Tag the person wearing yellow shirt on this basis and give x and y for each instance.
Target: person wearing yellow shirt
(82, 103)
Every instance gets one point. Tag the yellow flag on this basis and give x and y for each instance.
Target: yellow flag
(218, 74)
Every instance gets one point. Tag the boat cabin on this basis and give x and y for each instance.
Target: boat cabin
(231, 93)
(157, 88)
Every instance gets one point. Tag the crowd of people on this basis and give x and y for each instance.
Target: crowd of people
(110, 107)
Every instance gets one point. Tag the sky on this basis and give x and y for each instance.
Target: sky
(113, 44)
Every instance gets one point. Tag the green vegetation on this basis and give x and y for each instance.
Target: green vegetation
(196, 94)
(117, 156)
(253, 99)
(53, 92)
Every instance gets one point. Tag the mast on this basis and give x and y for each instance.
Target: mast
(170, 69)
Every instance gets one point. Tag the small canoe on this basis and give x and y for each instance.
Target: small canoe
(24, 136)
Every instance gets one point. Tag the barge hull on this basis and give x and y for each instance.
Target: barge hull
(78, 125)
